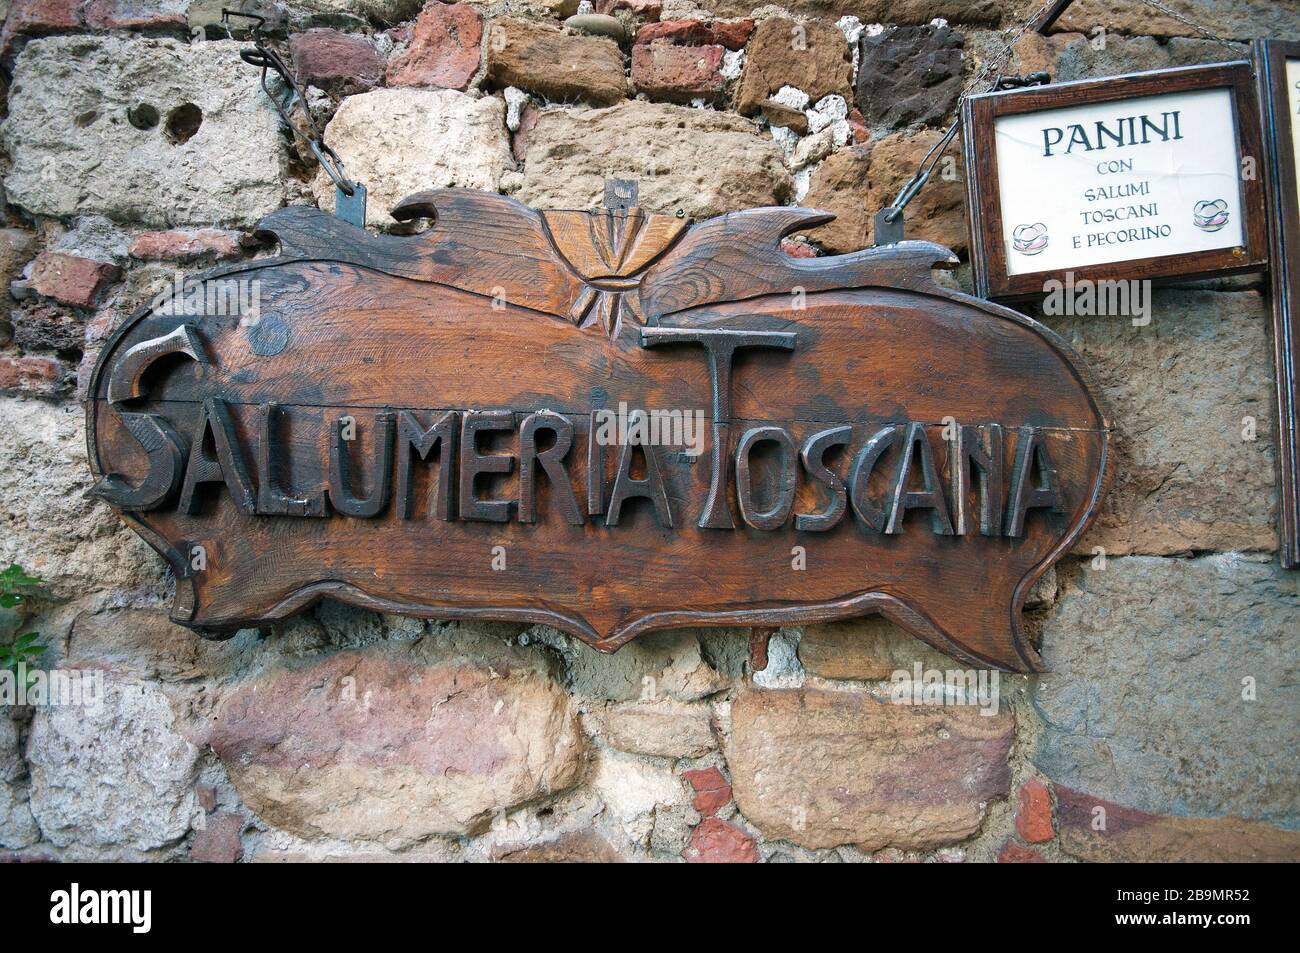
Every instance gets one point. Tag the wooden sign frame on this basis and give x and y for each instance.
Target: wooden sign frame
(988, 247)
(1283, 180)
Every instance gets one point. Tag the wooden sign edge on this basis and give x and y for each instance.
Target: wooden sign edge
(864, 603)
(987, 251)
(1281, 176)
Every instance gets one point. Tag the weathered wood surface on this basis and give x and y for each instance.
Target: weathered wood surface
(483, 346)
(1283, 180)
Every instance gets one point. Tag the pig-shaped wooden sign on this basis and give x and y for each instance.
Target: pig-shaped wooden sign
(608, 422)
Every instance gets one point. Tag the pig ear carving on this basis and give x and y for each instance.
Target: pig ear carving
(738, 256)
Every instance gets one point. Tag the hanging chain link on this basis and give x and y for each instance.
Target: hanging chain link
(263, 56)
(1187, 21)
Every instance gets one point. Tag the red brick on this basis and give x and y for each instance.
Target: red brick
(519, 141)
(729, 33)
(69, 279)
(1102, 831)
(444, 50)
(1013, 853)
(733, 34)
(650, 9)
(717, 842)
(134, 14)
(859, 126)
(206, 794)
(38, 376)
(337, 61)
(218, 842)
(103, 324)
(86, 370)
(42, 16)
(186, 244)
(711, 789)
(1034, 813)
(677, 73)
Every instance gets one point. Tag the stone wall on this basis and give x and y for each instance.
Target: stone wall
(137, 145)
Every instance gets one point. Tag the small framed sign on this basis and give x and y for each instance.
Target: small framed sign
(1278, 72)
(1148, 176)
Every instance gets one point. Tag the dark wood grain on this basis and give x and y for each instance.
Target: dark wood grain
(407, 424)
(984, 207)
(1284, 235)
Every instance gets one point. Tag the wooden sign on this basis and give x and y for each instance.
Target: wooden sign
(1278, 71)
(1148, 176)
(609, 422)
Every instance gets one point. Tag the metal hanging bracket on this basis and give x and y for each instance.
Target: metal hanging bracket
(351, 208)
(349, 196)
(887, 226)
(621, 194)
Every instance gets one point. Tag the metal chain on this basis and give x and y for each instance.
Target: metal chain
(1186, 21)
(263, 56)
(927, 165)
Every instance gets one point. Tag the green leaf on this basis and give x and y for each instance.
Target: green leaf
(15, 585)
(14, 578)
(25, 640)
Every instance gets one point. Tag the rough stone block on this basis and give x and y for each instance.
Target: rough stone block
(664, 728)
(53, 527)
(92, 118)
(41, 327)
(822, 769)
(701, 161)
(400, 749)
(559, 66)
(867, 649)
(402, 141)
(812, 56)
(910, 75)
(1170, 687)
(115, 774)
(1236, 19)
(1101, 831)
(1180, 389)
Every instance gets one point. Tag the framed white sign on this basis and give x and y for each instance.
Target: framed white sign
(1153, 175)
